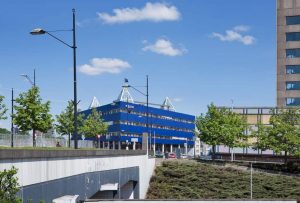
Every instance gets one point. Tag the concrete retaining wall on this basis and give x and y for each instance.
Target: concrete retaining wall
(44, 166)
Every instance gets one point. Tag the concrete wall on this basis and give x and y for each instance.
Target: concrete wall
(44, 166)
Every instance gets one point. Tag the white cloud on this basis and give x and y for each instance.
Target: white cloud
(235, 35)
(241, 28)
(99, 66)
(150, 12)
(164, 47)
(177, 99)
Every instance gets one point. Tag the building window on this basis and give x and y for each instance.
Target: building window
(292, 101)
(292, 20)
(293, 69)
(292, 53)
(292, 36)
(293, 85)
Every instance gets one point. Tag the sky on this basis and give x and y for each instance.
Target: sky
(195, 52)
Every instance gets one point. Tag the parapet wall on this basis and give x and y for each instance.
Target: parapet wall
(40, 168)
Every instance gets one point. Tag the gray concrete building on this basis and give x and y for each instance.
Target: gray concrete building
(288, 53)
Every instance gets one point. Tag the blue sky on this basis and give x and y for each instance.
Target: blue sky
(195, 53)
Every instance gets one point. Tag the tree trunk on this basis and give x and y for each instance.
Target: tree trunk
(69, 140)
(285, 157)
(33, 138)
(213, 152)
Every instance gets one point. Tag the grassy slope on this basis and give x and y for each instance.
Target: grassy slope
(174, 180)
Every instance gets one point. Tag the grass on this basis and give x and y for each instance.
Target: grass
(175, 180)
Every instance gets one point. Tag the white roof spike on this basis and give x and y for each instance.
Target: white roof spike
(167, 105)
(125, 96)
(95, 103)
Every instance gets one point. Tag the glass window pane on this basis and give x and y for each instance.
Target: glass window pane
(293, 85)
(292, 53)
(293, 101)
(293, 69)
(292, 20)
(293, 36)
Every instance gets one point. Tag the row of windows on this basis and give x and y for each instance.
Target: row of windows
(292, 20)
(292, 101)
(295, 85)
(145, 114)
(153, 126)
(293, 69)
(292, 53)
(292, 36)
(156, 136)
(152, 135)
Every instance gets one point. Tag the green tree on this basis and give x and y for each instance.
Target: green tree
(9, 186)
(3, 109)
(261, 135)
(31, 113)
(65, 121)
(284, 135)
(4, 131)
(93, 125)
(221, 127)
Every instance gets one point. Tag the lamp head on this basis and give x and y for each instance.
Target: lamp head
(38, 31)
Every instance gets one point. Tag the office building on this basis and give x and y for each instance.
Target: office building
(288, 53)
(127, 119)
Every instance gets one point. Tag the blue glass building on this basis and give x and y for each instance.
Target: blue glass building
(127, 120)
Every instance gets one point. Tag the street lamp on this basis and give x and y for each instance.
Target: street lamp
(40, 31)
(12, 118)
(33, 84)
(232, 153)
(28, 78)
(147, 97)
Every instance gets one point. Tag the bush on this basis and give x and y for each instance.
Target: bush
(175, 180)
(9, 186)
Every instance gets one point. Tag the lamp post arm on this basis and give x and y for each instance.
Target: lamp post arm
(59, 39)
(28, 79)
(137, 90)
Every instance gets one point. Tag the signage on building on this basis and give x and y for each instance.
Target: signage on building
(134, 139)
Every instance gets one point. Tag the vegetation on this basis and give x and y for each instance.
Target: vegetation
(261, 134)
(174, 180)
(65, 121)
(4, 131)
(3, 109)
(93, 125)
(221, 127)
(31, 113)
(284, 135)
(9, 186)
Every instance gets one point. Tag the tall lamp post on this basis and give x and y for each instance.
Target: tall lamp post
(33, 84)
(147, 102)
(39, 31)
(232, 155)
(12, 117)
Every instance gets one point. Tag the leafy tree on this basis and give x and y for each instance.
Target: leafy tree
(285, 132)
(4, 131)
(261, 136)
(31, 113)
(221, 126)
(93, 125)
(9, 186)
(65, 121)
(3, 109)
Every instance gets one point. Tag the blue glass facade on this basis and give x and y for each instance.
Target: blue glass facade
(129, 120)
